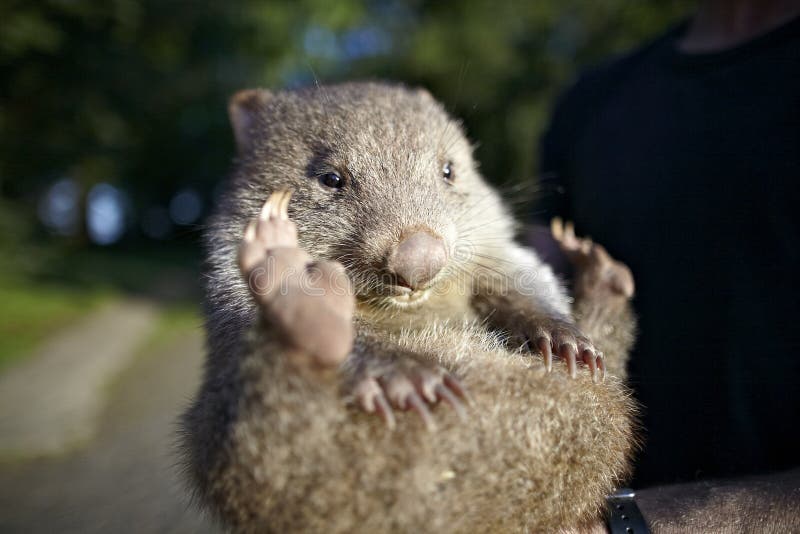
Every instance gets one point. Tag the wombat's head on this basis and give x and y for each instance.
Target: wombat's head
(384, 182)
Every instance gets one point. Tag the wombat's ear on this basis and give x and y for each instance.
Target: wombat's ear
(244, 111)
(424, 93)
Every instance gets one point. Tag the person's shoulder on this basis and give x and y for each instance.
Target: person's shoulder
(587, 93)
(598, 78)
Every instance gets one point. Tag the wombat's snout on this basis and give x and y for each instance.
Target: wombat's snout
(417, 259)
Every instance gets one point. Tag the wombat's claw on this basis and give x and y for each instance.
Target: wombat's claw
(455, 385)
(369, 396)
(564, 340)
(271, 230)
(398, 391)
(564, 233)
(595, 361)
(276, 206)
(450, 394)
(414, 402)
(595, 269)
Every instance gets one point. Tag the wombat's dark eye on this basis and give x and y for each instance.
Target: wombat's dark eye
(448, 173)
(332, 180)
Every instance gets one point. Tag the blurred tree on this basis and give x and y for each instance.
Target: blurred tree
(133, 92)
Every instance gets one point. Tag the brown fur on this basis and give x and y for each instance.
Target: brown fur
(270, 447)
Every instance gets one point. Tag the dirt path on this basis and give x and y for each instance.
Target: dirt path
(52, 400)
(125, 479)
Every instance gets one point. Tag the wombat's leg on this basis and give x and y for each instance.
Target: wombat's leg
(602, 286)
(311, 302)
(550, 334)
(597, 275)
(379, 386)
(533, 311)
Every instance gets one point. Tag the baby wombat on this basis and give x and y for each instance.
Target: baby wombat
(358, 265)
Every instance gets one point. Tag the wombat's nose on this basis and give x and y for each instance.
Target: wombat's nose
(417, 259)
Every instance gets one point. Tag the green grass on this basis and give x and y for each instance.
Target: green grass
(175, 321)
(31, 312)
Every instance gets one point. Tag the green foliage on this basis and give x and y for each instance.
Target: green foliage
(134, 92)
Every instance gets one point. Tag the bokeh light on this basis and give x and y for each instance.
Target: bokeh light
(186, 206)
(59, 207)
(105, 214)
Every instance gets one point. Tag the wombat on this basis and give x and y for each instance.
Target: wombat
(380, 348)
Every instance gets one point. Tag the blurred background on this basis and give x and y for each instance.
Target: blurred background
(113, 140)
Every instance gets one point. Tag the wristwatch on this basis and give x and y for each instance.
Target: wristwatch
(624, 516)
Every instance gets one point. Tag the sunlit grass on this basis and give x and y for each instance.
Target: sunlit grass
(175, 321)
(31, 312)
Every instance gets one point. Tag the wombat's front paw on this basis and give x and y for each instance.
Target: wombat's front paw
(311, 302)
(562, 338)
(597, 275)
(408, 385)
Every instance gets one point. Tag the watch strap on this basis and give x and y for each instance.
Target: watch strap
(624, 515)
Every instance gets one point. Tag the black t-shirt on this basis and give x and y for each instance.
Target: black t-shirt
(686, 167)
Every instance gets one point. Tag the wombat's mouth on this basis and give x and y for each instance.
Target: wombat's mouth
(385, 290)
(388, 296)
(408, 297)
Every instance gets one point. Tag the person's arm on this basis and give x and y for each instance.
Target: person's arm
(765, 503)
